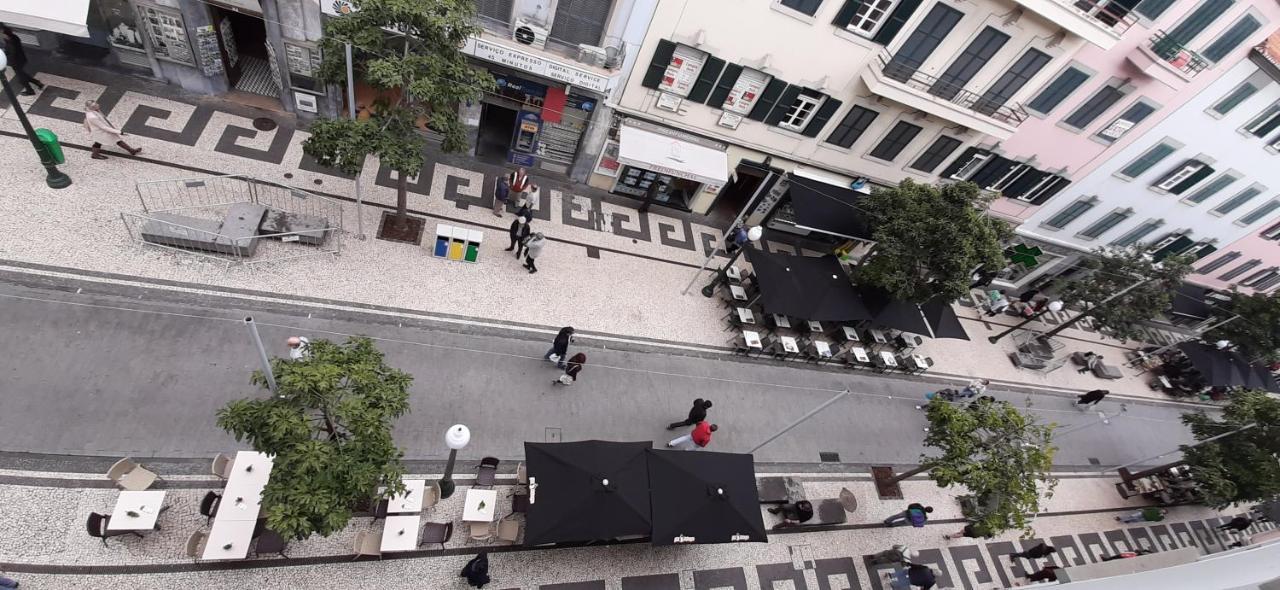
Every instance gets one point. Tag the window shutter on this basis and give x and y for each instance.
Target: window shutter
(899, 17)
(1175, 172)
(788, 98)
(1198, 20)
(1205, 250)
(992, 172)
(1191, 181)
(821, 117)
(1178, 245)
(706, 79)
(1024, 183)
(725, 85)
(768, 98)
(959, 163)
(846, 13)
(1054, 188)
(658, 66)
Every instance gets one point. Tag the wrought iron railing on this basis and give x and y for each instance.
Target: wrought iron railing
(1176, 55)
(908, 74)
(1108, 13)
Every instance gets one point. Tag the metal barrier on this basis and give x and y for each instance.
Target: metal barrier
(1178, 56)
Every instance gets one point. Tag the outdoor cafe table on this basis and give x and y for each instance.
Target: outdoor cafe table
(400, 533)
(860, 353)
(738, 292)
(411, 500)
(146, 505)
(781, 321)
(918, 363)
(790, 344)
(745, 315)
(886, 357)
(480, 505)
(878, 336)
(752, 338)
(850, 334)
(229, 539)
(242, 498)
(733, 273)
(822, 348)
(815, 327)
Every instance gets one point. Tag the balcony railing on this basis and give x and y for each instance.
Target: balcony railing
(1110, 14)
(903, 72)
(1176, 55)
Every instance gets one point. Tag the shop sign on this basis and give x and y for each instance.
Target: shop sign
(608, 164)
(528, 62)
(730, 120)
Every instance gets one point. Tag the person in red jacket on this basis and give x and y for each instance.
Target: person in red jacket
(699, 438)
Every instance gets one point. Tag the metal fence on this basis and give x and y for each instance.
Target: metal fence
(235, 219)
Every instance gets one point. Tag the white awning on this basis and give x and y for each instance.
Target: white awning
(56, 16)
(668, 155)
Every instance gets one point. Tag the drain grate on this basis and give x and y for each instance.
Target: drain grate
(1094, 461)
(828, 457)
(552, 435)
(264, 124)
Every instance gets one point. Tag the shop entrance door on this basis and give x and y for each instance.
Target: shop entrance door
(242, 41)
(497, 126)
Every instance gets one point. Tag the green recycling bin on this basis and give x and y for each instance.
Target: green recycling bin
(50, 142)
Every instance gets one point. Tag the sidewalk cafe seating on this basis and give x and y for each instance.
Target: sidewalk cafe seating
(97, 527)
(368, 543)
(487, 472)
(1100, 369)
(195, 544)
(131, 476)
(436, 532)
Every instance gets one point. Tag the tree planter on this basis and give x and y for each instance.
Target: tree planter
(392, 230)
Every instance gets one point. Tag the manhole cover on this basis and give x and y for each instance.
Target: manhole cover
(264, 124)
(829, 457)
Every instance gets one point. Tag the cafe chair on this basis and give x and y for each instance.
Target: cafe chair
(131, 476)
(739, 345)
(209, 505)
(430, 496)
(195, 544)
(222, 466)
(509, 530)
(487, 472)
(271, 543)
(481, 531)
(368, 543)
(97, 527)
(380, 509)
(436, 532)
(522, 474)
(519, 503)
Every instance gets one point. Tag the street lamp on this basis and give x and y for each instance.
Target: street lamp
(1054, 305)
(54, 177)
(753, 235)
(457, 438)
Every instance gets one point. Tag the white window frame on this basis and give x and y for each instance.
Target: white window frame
(696, 58)
(1271, 233)
(862, 17)
(1168, 240)
(745, 82)
(1196, 247)
(972, 166)
(1177, 177)
(800, 112)
(1269, 114)
(1273, 204)
(1012, 175)
(1034, 192)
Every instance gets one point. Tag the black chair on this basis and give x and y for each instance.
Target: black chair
(380, 511)
(436, 532)
(271, 542)
(487, 472)
(209, 505)
(520, 504)
(97, 527)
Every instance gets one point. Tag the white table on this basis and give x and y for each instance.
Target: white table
(242, 498)
(411, 500)
(824, 349)
(919, 362)
(888, 359)
(400, 533)
(850, 334)
(789, 344)
(745, 315)
(860, 354)
(738, 292)
(815, 327)
(781, 321)
(878, 336)
(146, 505)
(238, 534)
(752, 338)
(733, 273)
(471, 509)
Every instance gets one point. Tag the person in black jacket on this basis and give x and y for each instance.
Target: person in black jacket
(560, 346)
(18, 60)
(1037, 552)
(519, 230)
(477, 570)
(697, 414)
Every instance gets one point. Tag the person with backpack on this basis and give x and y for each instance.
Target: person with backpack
(915, 514)
(571, 369)
(896, 555)
(972, 530)
(477, 570)
(560, 347)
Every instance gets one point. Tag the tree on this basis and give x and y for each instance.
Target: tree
(1110, 271)
(929, 239)
(1001, 455)
(329, 428)
(420, 75)
(1240, 467)
(1256, 333)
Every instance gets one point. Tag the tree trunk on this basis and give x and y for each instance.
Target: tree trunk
(402, 200)
(904, 475)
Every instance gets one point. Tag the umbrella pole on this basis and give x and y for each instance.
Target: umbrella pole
(823, 406)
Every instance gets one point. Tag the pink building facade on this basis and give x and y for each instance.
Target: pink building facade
(1249, 265)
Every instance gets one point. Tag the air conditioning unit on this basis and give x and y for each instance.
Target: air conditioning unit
(527, 33)
(592, 55)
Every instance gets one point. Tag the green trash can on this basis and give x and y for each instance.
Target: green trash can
(50, 141)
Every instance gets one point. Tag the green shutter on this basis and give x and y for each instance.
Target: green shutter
(821, 117)
(658, 66)
(706, 79)
(897, 18)
(768, 98)
(724, 86)
(788, 98)
(845, 16)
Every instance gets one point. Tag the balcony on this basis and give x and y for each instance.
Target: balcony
(903, 84)
(1167, 61)
(1267, 57)
(1100, 22)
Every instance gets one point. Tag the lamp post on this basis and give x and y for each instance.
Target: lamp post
(1054, 305)
(457, 438)
(54, 177)
(753, 235)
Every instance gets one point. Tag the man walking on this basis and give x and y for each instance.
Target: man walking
(916, 514)
(17, 57)
(1089, 399)
(299, 347)
(1239, 523)
(519, 231)
(501, 191)
(532, 250)
(560, 346)
(1038, 552)
(699, 438)
(697, 414)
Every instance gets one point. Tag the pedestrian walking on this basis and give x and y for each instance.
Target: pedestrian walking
(697, 414)
(1239, 523)
(1126, 555)
(972, 530)
(793, 514)
(559, 350)
(1150, 514)
(533, 249)
(17, 57)
(1047, 573)
(571, 369)
(735, 239)
(1038, 552)
(501, 192)
(477, 570)
(976, 387)
(698, 438)
(101, 130)
(1088, 399)
(915, 514)
(519, 231)
(915, 576)
(299, 347)
(894, 555)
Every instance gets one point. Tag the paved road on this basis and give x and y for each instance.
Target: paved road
(115, 370)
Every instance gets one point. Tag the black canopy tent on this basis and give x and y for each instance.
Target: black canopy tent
(942, 318)
(1227, 368)
(704, 497)
(828, 208)
(586, 491)
(935, 318)
(806, 287)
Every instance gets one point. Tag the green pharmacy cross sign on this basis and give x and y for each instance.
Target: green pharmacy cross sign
(1023, 254)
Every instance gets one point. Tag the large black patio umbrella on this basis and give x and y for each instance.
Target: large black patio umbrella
(891, 313)
(586, 491)
(704, 497)
(942, 318)
(1226, 368)
(812, 288)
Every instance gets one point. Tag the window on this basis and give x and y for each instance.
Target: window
(854, 124)
(746, 89)
(1008, 178)
(1218, 263)
(1231, 38)
(1257, 277)
(1057, 91)
(1070, 214)
(805, 6)
(1239, 270)
(973, 58)
(1265, 123)
(1214, 187)
(968, 163)
(1272, 232)
(1126, 121)
(935, 153)
(800, 111)
(1184, 177)
(580, 22)
(499, 10)
(1012, 81)
(1257, 214)
(1152, 9)
(1235, 202)
(682, 70)
(870, 15)
(1200, 250)
(1040, 191)
(895, 141)
(1138, 233)
(1095, 106)
(1196, 22)
(1234, 99)
(1144, 162)
(1105, 224)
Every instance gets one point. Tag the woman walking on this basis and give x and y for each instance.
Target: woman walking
(533, 248)
(102, 131)
(560, 346)
(571, 369)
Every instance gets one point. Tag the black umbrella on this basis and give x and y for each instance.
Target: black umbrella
(704, 497)
(1226, 368)
(586, 491)
(813, 288)
(891, 313)
(942, 318)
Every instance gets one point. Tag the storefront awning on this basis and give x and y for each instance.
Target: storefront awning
(668, 155)
(63, 16)
(828, 209)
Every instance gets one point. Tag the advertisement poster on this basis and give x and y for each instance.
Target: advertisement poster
(686, 64)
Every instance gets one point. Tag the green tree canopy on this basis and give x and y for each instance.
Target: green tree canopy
(1241, 467)
(1256, 333)
(929, 239)
(1110, 271)
(329, 428)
